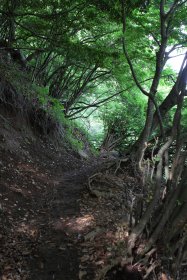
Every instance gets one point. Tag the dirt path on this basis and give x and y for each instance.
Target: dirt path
(58, 249)
(40, 221)
(47, 217)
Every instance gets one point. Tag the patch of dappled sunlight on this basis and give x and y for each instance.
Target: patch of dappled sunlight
(28, 229)
(74, 224)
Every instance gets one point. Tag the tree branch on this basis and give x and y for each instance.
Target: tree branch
(97, 104)
(126, 53)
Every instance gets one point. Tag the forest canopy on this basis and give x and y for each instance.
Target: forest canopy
(93, 54)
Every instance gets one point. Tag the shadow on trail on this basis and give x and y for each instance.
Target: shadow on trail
(59, 250)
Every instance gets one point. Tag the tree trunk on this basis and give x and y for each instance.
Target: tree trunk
(141, 144)
(171, 99)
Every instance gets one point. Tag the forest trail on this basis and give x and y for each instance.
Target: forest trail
(38, 218)
(78, 79)
(50, 226)
(41, 223)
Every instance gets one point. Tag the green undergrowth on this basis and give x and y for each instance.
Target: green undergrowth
(75, 133)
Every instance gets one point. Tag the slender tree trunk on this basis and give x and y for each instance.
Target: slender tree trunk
(171, 99)
(141, 144)
(161, 58)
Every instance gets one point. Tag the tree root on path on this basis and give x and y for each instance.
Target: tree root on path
(108, 182)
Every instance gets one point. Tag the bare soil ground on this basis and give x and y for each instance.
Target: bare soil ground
(32, 201)
(51, 227)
